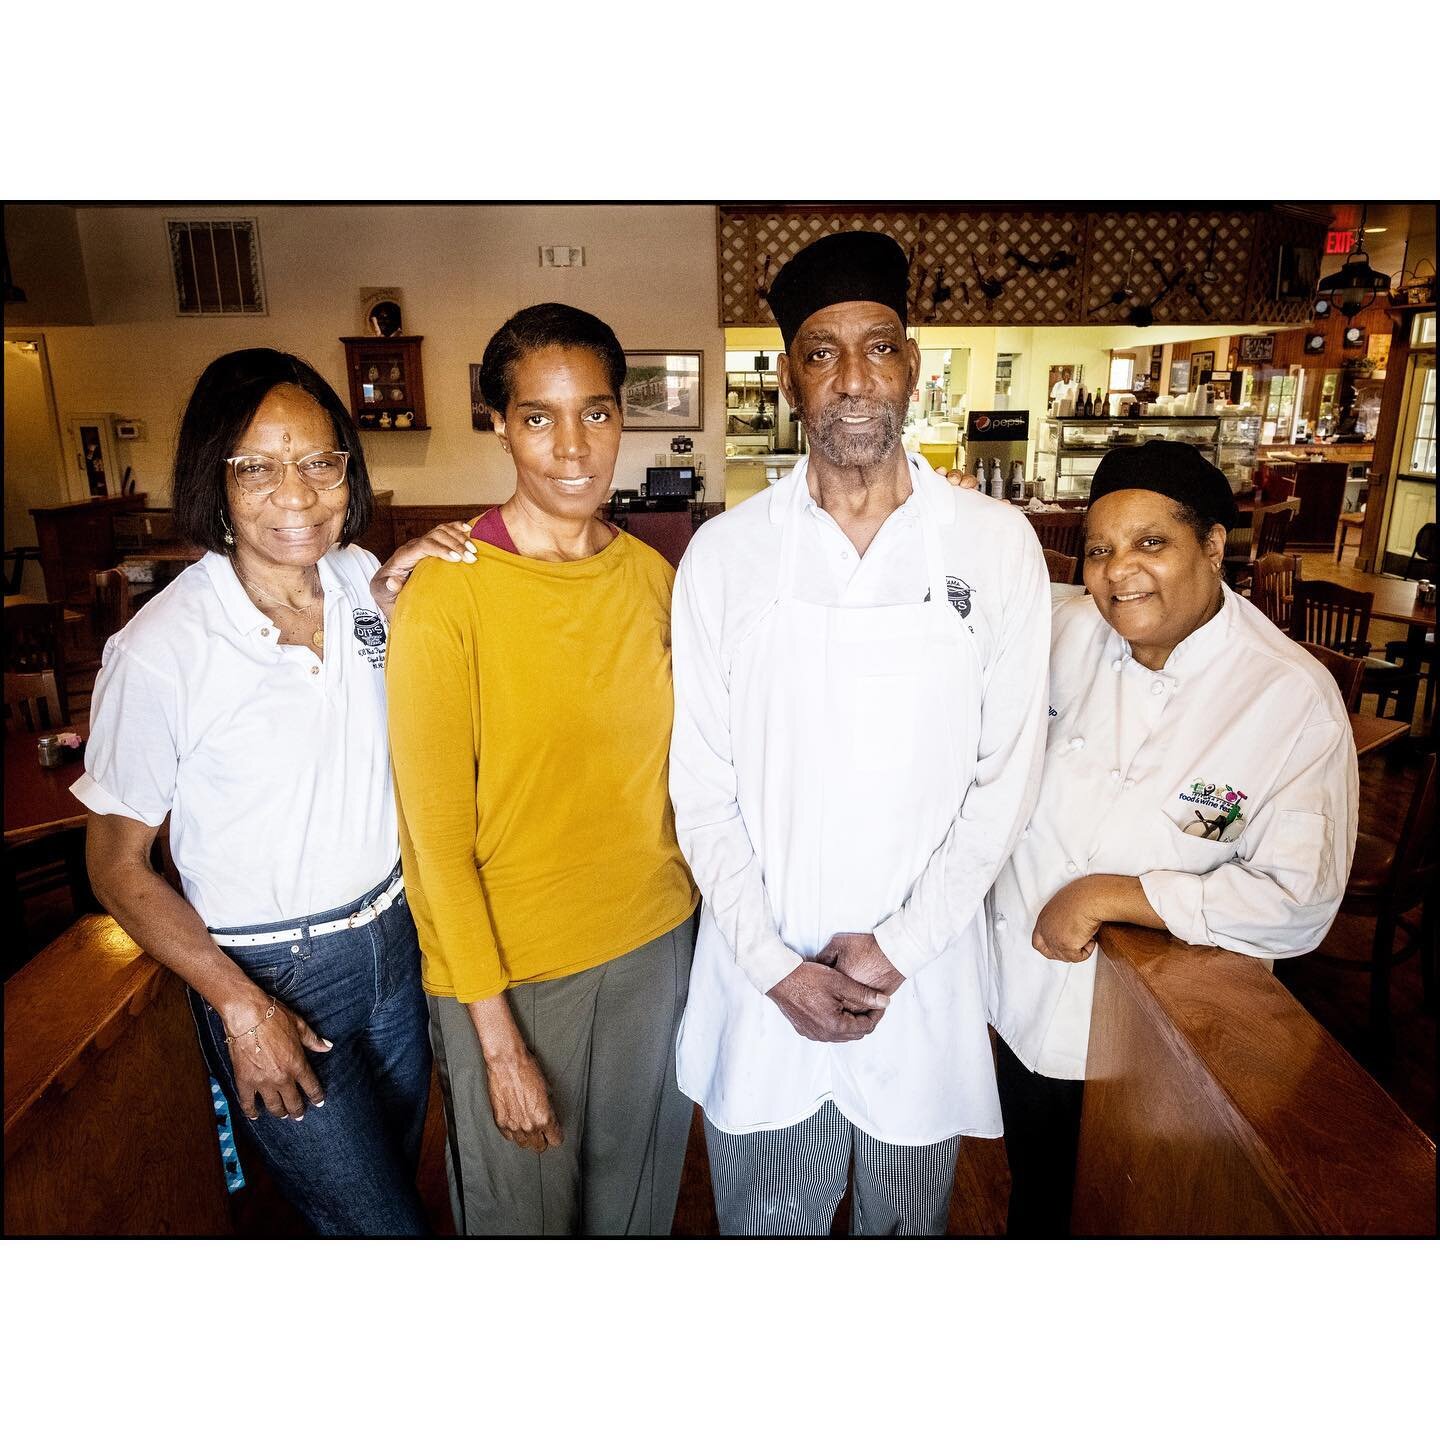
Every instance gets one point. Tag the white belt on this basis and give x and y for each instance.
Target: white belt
(377, 907)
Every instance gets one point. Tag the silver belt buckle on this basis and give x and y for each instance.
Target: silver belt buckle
(362, 917)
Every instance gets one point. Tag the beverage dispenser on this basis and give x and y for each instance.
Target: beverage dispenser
(1001, 436)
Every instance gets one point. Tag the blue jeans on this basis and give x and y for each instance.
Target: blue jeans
(349, 1167)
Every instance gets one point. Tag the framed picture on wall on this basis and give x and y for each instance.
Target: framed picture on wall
(1256, 349)
(1315, 342)
(1296, 273)
(1202, 362)
(1354, 337)
(1179, 377)
(664, 390)
(480, 417)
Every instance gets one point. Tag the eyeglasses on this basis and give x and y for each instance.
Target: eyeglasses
(263, 474)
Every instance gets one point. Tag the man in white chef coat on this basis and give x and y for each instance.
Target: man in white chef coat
(860, 660)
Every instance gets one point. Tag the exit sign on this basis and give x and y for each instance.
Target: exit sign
(1339, 242)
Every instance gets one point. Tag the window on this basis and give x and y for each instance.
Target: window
(1122, 372)
(1422, 452)
(216, 266)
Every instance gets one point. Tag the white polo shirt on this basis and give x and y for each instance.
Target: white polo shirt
(274, 766)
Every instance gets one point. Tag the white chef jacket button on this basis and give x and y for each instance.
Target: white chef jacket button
(264, 630)
(1078, 743)
(1117, 664)
(1071, 867)
(1158, 688)
(1114, 774)
(314, 669)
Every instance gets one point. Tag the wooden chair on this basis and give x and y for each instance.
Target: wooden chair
(1388, 880)
(1331, 615)
(1271, 524)
(32, 701)
(1273, 590)
(1348, 672)
(1059, 530)
(15, 567)
(1063, 568)
(1339, 619)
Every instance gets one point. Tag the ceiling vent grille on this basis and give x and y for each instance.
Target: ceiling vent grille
(216, 267)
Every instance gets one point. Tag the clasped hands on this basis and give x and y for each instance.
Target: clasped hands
(841, 993)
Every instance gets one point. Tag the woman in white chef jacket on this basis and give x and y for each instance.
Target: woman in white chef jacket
(1200, 778)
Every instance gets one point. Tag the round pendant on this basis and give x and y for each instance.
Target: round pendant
(318, 639)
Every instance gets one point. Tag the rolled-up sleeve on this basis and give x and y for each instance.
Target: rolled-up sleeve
(1002, 795)
(1279, 894)
(132, 757)
(708, 822)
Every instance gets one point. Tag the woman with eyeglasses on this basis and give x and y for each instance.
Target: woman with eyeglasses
(246, 702)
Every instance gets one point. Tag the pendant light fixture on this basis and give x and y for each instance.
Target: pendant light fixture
(1356, 285)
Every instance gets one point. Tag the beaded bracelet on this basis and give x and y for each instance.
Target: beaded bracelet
(231, 1039)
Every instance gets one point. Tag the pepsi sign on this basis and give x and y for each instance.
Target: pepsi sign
(998, 425)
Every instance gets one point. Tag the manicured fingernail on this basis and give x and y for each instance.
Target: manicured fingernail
(451, 555)
(393, 585)
(319, 1104)
(469, 556)
(470, 546)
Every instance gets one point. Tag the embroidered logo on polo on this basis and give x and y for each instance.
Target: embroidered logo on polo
(1218, 813)
(958, 594)
(370, 632)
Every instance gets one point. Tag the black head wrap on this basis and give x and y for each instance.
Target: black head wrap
(1171, 468)
(853, 265)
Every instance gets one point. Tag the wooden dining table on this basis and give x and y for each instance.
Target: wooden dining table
(38, 802)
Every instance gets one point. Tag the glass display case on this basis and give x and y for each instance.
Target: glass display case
(1239, 435)
(1070, 449)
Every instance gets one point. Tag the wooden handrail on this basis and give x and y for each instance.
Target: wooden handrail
(1215, 1104)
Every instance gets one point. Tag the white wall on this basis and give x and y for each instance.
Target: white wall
(649, 272)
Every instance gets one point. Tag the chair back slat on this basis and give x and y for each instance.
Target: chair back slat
(1274, 592)
(1274, 527)
(1348, 672)
(1331, 615)
(1059, 530)
(32, 701)
(1062, 568)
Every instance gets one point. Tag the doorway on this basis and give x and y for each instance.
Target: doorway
(34, 458)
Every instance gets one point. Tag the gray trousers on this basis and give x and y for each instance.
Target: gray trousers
(605, 1040)
(790, 1181)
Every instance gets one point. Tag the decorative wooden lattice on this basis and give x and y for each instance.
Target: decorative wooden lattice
(1030, 266)
(1189, 267)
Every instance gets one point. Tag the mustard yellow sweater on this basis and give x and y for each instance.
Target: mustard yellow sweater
(530, 713)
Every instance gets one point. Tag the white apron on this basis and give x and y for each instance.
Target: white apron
(854, 733)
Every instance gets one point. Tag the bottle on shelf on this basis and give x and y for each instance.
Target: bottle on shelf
(980, 474)
(1017, 481)
(997, 480)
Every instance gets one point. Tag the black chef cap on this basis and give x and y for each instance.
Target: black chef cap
(1171, 468)
(853, 265)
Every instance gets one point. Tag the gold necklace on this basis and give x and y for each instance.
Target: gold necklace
(317, 638)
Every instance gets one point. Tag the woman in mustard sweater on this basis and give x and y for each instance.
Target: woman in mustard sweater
(530, 714)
